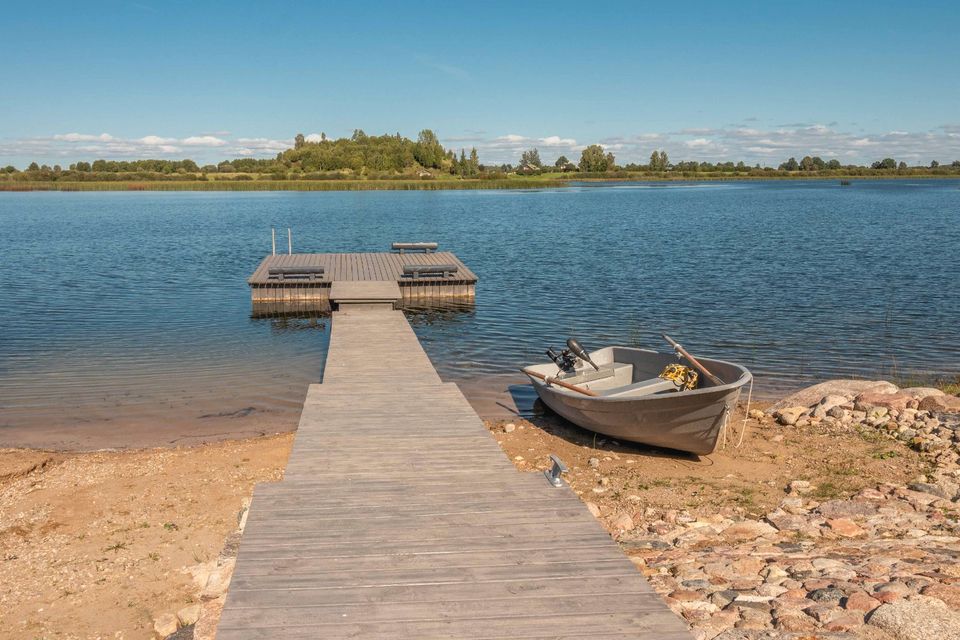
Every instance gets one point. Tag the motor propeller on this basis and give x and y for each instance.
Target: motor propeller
(577, 349)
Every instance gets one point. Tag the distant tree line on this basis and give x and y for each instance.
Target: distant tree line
(396, 157)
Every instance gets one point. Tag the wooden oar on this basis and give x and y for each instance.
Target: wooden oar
(560, 383)
(686, 354)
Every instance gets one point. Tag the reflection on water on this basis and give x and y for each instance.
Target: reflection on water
(133, 307)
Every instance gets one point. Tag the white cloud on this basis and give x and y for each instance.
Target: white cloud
(156, 140)
(313, 137)
(557, 141)
(512, 137)
(203, 141)
(83, 137)
(697, 143)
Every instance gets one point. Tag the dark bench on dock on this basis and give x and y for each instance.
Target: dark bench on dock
(429, 270)
(300, 273)
(426, 247)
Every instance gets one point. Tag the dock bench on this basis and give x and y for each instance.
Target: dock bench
(426, 247)
(300, 272)
(435, 270)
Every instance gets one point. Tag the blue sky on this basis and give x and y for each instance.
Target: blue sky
(758, 81)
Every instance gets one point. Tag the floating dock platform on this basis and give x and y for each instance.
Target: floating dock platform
(304, 280)
(399, 516)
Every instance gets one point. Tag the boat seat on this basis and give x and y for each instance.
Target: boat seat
(642, 388)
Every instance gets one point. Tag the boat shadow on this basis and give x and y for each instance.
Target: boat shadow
(539, 415)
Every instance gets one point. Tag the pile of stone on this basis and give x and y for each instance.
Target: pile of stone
(882, 561)
(922, 417)
(882, 564)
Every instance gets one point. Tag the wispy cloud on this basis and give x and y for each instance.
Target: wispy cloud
(751, 144)
(70, 147)
(443, 67)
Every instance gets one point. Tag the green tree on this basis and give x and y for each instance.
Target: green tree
(531, 157)
(886, 163)
(561, 162)
(902, 166)
(833, 164)
(33, 167)
(593, 160)
(655, 161)
(934, 164)
(299, 141)
(664, 160)
(428, 151)
(474, 161)
(789, 165)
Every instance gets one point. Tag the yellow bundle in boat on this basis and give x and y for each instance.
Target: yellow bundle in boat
(683, 377)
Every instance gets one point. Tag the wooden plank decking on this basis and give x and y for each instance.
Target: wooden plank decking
(360, 266)
(400, 517)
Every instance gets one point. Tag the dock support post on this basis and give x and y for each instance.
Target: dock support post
(273, 234)
(289, 242)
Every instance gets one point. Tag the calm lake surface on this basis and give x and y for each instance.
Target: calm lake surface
(132, 308)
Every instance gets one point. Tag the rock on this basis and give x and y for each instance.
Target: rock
(624, 522)
(845, 623)
(594, 463)
(932, 489)
(940, 404)
(785, 521)
(189, 614)
(889, 401)
(860, 601)
(747, 530)
(848, 388)
(654, 544)
(828, 594)
(919, 393)
(950, 595)
(920, 618)
(723, 598)
(219, 581)
(165, 625)
(846, 509)
(593, 509)
(824, 612)
(753, 602)
(845, 527)
(795, 621)
(790, 415)
(828, 404)
(509, 427)
(756, 414)
(800, 486)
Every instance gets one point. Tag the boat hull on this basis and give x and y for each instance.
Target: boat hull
(687, 421)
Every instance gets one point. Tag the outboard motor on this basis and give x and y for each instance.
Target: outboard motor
(577, 349)
(567, 359)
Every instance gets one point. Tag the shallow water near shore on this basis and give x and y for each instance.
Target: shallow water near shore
(129, 312)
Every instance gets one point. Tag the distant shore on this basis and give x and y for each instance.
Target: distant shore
(545, 181)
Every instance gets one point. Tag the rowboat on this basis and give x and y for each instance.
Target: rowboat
(618, 392)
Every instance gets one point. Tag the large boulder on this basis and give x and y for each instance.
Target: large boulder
(919, 618)
(940, 404)
(922, 392)
(871, 400)
(849, 389)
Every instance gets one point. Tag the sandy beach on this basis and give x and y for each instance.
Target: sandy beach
(111, 543)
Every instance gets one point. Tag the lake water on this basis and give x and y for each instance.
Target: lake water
(130, 310)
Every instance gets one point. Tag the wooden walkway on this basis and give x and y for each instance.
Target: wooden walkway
(400, 517)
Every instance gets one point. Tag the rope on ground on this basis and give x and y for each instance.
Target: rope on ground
(746, 414)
